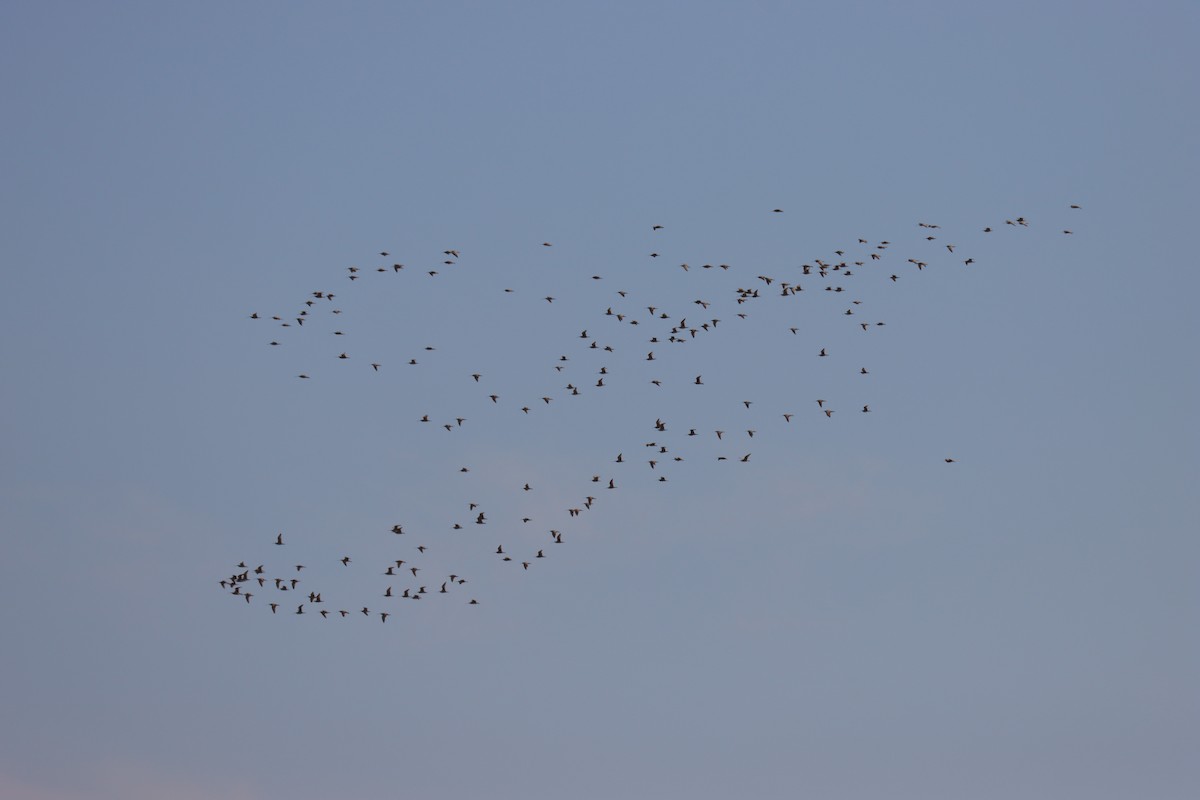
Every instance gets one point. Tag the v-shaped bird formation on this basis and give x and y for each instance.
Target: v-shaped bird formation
(627, 339)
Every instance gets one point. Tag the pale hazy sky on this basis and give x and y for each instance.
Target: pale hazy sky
(845, 616)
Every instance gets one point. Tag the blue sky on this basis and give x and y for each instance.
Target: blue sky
(843, 616)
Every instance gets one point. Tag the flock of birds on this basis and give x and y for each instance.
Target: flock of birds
(662, 325)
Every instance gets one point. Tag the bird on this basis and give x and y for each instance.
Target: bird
(661, 329)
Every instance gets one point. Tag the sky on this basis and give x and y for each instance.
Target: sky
(843, 615)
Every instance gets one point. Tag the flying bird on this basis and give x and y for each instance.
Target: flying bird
(661, 329)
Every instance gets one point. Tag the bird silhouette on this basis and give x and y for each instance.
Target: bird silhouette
(614, 337)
